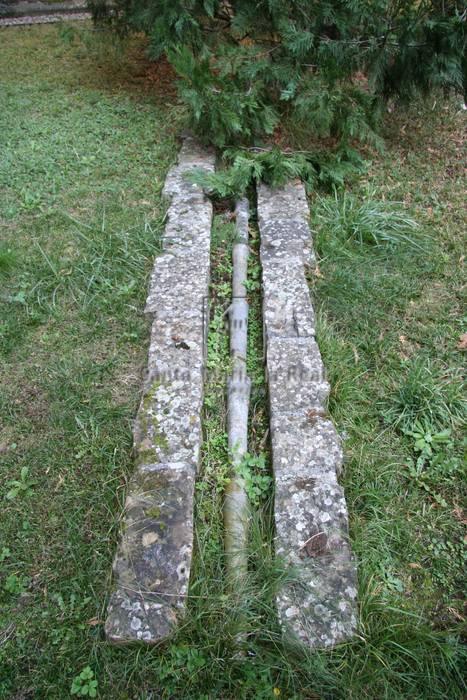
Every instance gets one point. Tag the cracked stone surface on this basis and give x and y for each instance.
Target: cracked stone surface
(317, 603)
(153, 560)
(154, 555)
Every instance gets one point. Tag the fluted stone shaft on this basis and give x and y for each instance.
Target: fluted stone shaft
(236, 506)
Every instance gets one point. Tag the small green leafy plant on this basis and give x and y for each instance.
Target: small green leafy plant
(254, 282)
(85, 684)
(15, 584)
(4, 554)
(178, 663)
(433, 449)
(257, 483)
(427, 441)
(22, 487)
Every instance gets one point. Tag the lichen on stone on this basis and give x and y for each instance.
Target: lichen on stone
(317, 600)
(153, 559)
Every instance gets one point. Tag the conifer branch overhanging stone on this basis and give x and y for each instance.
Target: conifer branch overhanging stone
(321, 68)
(153, 560)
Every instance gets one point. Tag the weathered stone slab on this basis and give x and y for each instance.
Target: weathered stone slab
(303, 512)
(192, 155)
(284, 237)
(318, 604)
(282, 234)
(153, 560)
(175, 350)
(295, 373)
(176, 277)
(287, 311)
(168, 426)
(188, 327)
(305, 446)
(152, 565)
(317, 601)
(182, 234)
(288, 202)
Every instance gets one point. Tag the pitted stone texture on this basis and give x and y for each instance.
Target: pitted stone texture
(133, 617)
(190, 214)
(191, 156)
(320, 608)
(285, 237)
(302, 514)
(311, 527)
(280, 234)
(178, 341)
(179, 322)
(154, 556)
(305, 447)
(153, 560)
(287, 203)
(183, 279)
(175, 351)
(287, 310)
(184, 232)
(168, 425)
(317, 602)
(296, 376)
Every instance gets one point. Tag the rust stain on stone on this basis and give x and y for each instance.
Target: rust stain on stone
(306, 482)
(315, 546)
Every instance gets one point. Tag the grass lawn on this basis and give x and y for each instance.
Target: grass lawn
(86, 136)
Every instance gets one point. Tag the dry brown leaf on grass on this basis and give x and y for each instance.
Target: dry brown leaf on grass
(60, 482)
(456, 614)
(317, 272)
(462, 344)
(460, 515)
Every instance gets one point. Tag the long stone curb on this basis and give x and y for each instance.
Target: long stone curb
(153, 560)
(317, 601)
(20, 8)
(21, 21)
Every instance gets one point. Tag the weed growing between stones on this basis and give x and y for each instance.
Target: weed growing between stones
(209, 571)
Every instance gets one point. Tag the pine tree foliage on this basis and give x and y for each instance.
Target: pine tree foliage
(325, 65)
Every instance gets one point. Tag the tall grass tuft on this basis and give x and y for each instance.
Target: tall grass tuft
(371, 221)
(424, 392)
(8, 258)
